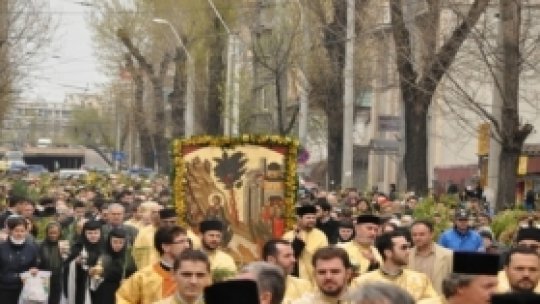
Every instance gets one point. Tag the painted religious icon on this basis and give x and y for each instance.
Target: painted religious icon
(248, 183)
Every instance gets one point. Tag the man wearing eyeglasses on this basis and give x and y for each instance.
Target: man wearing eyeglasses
(155, 282)
(520, 266)
(168, 218)
(461, 237)
(192, 275)
(394, 249)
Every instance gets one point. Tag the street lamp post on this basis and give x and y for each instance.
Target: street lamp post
(188, 114)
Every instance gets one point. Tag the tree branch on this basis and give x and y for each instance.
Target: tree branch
(402, 41)
(123, 35)
(434, 70)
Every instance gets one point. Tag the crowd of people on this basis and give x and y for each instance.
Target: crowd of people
(122, 244)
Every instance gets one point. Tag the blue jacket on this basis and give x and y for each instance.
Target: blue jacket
(458, 241)
(14, 260)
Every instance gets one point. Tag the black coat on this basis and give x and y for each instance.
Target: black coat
(81, 276)
(116, 267)
(51, 260)
(14, 260)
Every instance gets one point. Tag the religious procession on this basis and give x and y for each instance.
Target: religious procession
(234, 225)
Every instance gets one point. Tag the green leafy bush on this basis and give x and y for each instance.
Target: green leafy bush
(505, 222)
(222, 274)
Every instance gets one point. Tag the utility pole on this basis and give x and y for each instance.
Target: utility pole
(235, 98)
(496, 106)
(348, 100)
(304, 99)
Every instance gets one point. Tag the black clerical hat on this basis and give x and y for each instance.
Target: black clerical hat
(528, 234)
(515, 298)
(306, 209)
(92, 225)
(346, 224)
(167, 213)
(476, 263)
(208, 225)
(232, 291)
(368, 218)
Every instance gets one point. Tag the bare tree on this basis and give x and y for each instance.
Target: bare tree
(156, 79)
(419, 83)
(504, 57)
(25, 31)
(276, 51)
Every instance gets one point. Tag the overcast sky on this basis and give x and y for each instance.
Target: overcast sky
(69, 66)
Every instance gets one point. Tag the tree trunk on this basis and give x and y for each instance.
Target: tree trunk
(506, 192)
(216, 81)
(147, 154)
(334, 42)
(415, 158)
(418, 84)
(162, 151)
(513, 134)
(335, 145)
(177, 96)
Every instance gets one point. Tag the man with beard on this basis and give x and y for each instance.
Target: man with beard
(325, 222)
(526, 237)
(332, 274)
(281, 254)
(394, 249)
(363, 255)
(473, 279)
(212, 232)
(522, 269)
(305, 240)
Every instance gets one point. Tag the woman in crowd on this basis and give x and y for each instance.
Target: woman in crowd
(18, 254)
(345, 231)
(117, 265)
(80, 264)
(51, 260)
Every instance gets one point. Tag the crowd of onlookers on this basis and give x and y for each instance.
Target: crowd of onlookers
(111, 239)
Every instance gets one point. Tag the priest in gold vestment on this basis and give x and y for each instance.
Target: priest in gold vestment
(332, 270)
(192, 275)
(363, 255)
(281, 254)
(211, 231)
(473, 279)
(394, 249)
(143, 250)
(155, 282)
(305, 240)
(521, 271)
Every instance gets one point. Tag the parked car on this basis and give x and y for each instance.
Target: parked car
(36, 170)
(140, 172)
(17, 167)
(72, 173)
